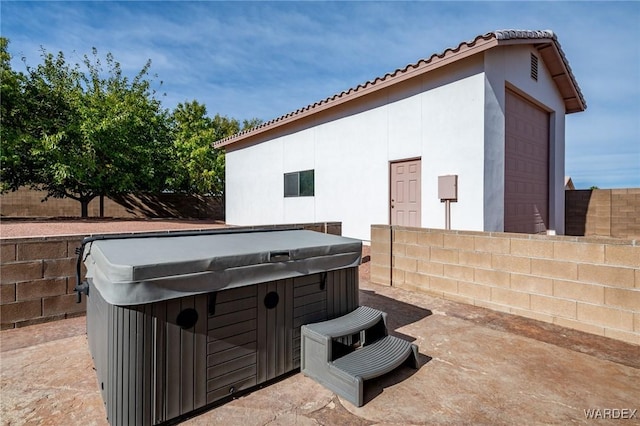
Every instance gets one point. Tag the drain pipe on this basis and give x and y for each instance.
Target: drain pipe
(447, 192)
(391, 231)
(447, 214)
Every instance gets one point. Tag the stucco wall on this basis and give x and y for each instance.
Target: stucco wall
(589, 284)
(350, 150)
(452, 118)
(509, 67)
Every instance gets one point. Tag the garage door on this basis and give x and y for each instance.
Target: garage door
(526, 194)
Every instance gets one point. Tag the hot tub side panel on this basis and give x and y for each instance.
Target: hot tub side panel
(231, 342)
(254, 331)
(148, 367)
(154, 363)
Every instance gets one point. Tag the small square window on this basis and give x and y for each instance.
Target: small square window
(291, 185)
(299, 184)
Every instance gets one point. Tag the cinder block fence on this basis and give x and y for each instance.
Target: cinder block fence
(588, 284)
(603, 212)
(37, 280)
(38, 275)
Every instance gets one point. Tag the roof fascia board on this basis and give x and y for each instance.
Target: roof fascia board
(542, 44)
(566, 74)
(434, 62)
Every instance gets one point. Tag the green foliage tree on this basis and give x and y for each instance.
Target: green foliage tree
(196, 162)
(82, 131)
(15, 160)
(199, 167)
(89, 131)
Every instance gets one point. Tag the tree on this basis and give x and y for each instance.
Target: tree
(15, 160)
(200, 166)
(90, 131)
(82, 131)
(197, 166)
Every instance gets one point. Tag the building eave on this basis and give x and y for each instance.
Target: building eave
(545, 41)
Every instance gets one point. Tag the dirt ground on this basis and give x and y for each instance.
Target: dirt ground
(14, 228)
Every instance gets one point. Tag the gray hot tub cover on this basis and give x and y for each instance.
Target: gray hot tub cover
(134, 271)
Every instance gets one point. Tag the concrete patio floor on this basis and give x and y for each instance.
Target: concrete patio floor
(477, 367)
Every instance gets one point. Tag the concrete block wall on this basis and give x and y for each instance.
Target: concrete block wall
(625, 213)
(588, 284)
(37, 278)
(38, 275)
(334, 228)
(603, 212)
(576, 211)
(27, 203)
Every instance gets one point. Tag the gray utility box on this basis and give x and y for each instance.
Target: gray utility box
(176, 323)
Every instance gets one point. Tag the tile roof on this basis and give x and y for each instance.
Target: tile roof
(545, 41)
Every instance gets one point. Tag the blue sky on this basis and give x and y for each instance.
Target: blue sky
(265, 59)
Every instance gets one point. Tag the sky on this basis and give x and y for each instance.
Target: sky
(265, 59)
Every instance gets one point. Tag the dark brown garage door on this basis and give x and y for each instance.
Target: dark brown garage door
(526, 192)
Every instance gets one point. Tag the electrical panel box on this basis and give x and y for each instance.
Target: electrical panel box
(448, 187)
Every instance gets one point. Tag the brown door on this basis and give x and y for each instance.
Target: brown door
(526, 186)
(405, 193)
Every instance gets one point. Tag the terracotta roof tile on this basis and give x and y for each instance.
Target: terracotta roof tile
(574, 101)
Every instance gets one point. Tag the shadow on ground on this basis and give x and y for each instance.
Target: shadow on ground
(399, 313)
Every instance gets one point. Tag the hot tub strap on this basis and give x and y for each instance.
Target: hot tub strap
(83, 287)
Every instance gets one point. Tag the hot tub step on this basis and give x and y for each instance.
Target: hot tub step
(377, 354)
(377, 359)
(354, 322)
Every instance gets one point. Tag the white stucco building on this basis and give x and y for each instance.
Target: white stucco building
(491, 111)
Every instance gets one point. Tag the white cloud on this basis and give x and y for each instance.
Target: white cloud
(253, 59)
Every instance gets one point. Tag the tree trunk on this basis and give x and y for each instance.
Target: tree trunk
(84, 207)
(84, 204)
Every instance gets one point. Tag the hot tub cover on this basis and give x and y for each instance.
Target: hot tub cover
(134, 271)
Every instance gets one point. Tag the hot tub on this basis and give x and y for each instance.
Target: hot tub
(177, 322)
